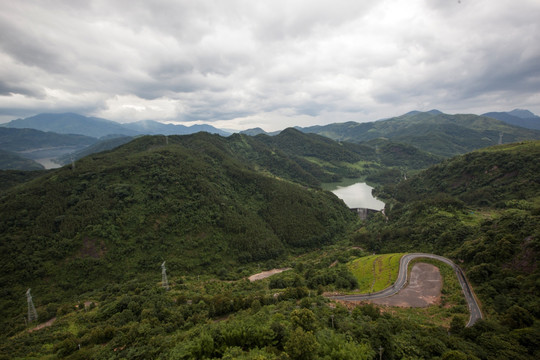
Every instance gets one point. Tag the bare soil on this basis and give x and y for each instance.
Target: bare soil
(424, 288)
(43, 325)
(265, 274)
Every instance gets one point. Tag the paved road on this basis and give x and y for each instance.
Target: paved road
(474, 308)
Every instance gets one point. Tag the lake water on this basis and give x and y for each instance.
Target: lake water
(48, 163)
(358, 195)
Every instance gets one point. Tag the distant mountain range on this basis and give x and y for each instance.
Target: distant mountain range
(13, 161)
(430, 135)
(433, 131)
(517, 117)
(71, 123)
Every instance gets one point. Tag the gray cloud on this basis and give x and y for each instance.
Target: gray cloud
(271, 64)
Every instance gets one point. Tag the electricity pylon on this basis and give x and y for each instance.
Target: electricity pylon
(32, 313)
(164, 281)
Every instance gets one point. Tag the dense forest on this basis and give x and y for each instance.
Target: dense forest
(89, 239)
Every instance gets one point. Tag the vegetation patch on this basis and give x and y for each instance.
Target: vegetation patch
(375, 272)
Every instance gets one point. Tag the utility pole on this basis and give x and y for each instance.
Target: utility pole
(381, 349)
(32, 313)
(164, 281)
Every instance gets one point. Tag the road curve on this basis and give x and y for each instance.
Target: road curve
(474, 308)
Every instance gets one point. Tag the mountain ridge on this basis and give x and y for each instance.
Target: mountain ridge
(440, 134)
(517, 117)
(72, 123)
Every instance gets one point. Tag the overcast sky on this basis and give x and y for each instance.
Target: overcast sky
(273, 64)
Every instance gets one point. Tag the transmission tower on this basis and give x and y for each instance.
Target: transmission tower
(500, 138)
(164, 281)
(32, 313)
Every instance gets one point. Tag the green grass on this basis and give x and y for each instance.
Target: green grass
(375, 272)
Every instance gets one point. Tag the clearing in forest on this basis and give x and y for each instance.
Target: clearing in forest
(375, 272)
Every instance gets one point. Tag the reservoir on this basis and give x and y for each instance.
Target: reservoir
(356, 195)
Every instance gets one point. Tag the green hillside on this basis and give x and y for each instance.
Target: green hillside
(483, 210)
(440, 134)
(119, 214)
(334, 160)
(101, 145)
(12, 161)
(11, 178)
(89, 242)
(486, 177)
(24, 139)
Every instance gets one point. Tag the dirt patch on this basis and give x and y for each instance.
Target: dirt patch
(525, 260)
(92, 248)
(424, 288)
(265, 274)
(43, 325)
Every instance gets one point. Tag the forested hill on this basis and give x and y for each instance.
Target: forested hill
(13, 161)
(24, 139)
(434, 132)
(118, 214)
(486, 177)
(348, 159)
(89, 242)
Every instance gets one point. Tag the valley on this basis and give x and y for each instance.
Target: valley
(220, 209)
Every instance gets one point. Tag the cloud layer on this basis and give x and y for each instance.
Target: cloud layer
(240, 64)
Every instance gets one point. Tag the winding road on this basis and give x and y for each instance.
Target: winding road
(474, 308)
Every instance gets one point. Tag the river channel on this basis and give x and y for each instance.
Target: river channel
(355, 194)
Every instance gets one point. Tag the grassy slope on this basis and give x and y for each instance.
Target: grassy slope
(375, 272)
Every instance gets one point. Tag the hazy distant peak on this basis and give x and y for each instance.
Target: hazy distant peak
(253, 131)
(522, 113)
(432, 112)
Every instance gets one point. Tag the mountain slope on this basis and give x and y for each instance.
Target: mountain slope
(12, 161)
(150, 127)
(347, 159)
(440, 134)
(523, 118)
(18, 140)
(120, 213)
(101, 145)
(481, 209)
(483, 177)
(71, 123)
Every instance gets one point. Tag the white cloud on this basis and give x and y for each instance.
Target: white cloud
(129, 108)
(269, 64)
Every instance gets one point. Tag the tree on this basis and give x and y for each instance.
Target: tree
(457, 325)
(301, 345)
(304, 318)
(454, 355)
(518, 317)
